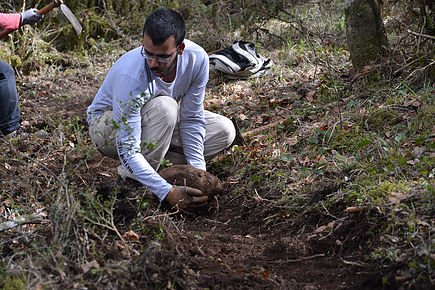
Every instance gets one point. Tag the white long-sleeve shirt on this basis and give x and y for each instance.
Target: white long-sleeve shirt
(129, 84)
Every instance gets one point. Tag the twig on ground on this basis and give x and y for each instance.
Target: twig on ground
(110, 226)
(327, 211)
(421, 34)
(297, 260)
(218, 222)
(258, 198)
(21, 220)
(164, 215)
(419, 70)
(359, 264)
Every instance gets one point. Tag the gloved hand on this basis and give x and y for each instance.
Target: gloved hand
(186, 197)
(30, 16)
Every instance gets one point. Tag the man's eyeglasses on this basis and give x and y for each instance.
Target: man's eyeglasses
(160, 58)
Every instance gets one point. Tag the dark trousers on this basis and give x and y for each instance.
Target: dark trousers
(9, 112)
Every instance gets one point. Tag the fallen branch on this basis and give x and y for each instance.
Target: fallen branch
(240, 137)
(297, 260)
(359, 264)
(421, 34)
(262, 128)
(22, 220)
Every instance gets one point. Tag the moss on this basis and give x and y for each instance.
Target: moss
(423, 121)
(13, 59)
(368, 190)
(349, 139)
(13, 283)
(331, 91)
(382, 118)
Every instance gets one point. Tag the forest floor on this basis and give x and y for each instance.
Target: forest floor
(229, 247)
(289, 219)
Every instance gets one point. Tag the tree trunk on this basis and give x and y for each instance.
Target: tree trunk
(365, 32)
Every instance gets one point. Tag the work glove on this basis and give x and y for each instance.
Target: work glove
(30, 16)
(186, 197)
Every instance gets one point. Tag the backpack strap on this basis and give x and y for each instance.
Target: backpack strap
(247, 49)
(219, 60)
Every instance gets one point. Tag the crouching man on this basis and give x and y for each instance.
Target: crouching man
(150, 108)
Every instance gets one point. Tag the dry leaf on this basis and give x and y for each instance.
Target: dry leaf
(243, 117)
(310, 95)
(90, 265)
(265, 274)
(423, 223)
(321, 229)
(320, 158)
(131, 236)
(396, 197)
(354, 209)
(292, 141)
(104, 174)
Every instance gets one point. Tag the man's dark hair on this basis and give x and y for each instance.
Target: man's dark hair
(164, 23)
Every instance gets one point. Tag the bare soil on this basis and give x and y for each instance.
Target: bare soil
(239, 243)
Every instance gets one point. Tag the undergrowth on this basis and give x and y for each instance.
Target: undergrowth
(348, 161)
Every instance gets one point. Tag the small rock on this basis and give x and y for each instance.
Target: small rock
(41, 133)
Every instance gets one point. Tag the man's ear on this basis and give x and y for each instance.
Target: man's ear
(181, 48)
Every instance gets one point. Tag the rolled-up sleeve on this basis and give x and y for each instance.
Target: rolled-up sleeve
(10, 21)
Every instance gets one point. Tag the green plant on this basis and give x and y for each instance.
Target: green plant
(13, 283)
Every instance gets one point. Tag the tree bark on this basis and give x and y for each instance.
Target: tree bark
(365, 32)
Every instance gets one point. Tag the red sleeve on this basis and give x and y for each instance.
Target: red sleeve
(10, 21)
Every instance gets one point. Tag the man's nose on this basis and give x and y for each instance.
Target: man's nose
(153, 62)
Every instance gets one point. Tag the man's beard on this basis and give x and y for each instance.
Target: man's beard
(162, 74)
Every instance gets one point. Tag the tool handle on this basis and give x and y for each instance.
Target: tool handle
(4, 33)
(47, 8)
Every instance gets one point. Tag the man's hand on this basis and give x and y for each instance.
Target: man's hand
(186, 197)
(30, 16)
(188, 175)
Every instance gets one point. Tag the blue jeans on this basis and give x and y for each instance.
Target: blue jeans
(9, 112)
